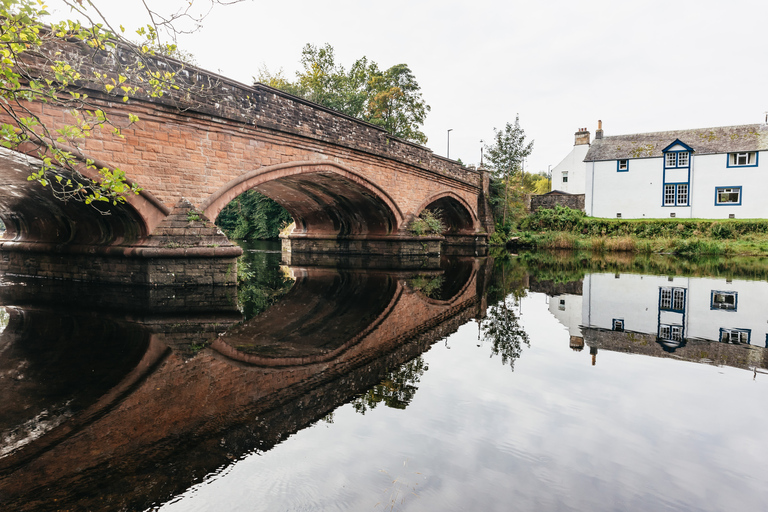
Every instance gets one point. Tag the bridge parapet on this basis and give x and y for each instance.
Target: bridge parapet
(206, 92)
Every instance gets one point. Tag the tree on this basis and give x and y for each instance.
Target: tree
(33, 70)
(505, 157)
(391, 99)
(253, 216)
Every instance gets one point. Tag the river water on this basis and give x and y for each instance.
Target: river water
(513, 382)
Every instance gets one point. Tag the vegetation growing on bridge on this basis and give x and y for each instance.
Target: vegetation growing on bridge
(390, 98)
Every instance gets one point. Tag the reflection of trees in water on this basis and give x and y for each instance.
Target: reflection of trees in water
(396, 390)
(260, 282)
(430, 286)
(4, 319)
(501, 327)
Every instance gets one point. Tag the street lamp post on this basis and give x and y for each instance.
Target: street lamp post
(448, 151)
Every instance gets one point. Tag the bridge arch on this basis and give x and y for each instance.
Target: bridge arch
(323, 198)
(32, 214)
(457, 215)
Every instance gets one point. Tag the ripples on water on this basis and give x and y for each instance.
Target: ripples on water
(541, 382)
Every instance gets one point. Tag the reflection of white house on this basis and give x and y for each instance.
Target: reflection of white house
(567, 309)
(570, 175)
(678, 308)
(703, 173)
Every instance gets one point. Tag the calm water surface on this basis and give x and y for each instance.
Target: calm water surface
(531, 382)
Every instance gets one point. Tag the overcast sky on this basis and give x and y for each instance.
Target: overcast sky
(561, 64)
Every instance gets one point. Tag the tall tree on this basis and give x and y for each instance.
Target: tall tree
(505, 156)
(391, 99)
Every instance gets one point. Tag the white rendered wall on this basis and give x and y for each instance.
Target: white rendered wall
(638, 193)
(573, 164)
(568, 313)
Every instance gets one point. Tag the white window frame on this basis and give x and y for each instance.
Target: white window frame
(623, 164)
(729, 191)
(682, 194)
(671, 159)
(565, 176)
(682, 159)
(749, 159)
(669, 195)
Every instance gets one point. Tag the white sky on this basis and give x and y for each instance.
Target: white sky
(561, 64)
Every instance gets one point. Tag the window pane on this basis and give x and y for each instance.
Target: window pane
(741, 159)
(728, 195)
(678, 299)
(682, 194)
(682, 159)
(669, 194)
(666, 298)
(671, 159)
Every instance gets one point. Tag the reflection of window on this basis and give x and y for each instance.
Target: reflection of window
(728, 195)
(745, 159)
(618, 324)
(736, 336)
(671, 332)
(623, 165)
(561, 306)
(565, 176)
(672, 299)
(723, 300)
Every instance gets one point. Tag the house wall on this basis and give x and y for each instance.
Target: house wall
(573, 164)
(638, 192)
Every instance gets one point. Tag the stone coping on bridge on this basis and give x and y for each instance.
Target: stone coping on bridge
(259, 105)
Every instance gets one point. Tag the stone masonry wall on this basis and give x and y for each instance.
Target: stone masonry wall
(575, 202)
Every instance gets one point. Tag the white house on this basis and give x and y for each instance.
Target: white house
(570, 175)
(709, 173)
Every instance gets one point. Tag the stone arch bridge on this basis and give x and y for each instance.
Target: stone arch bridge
(349, 185)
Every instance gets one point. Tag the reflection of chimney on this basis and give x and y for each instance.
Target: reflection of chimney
(593, 351)
(599, 131)
(582, 137)
(577, 343)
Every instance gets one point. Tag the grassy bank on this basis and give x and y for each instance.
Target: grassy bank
(563, 228)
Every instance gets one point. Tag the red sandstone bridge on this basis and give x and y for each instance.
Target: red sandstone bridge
(348, 185)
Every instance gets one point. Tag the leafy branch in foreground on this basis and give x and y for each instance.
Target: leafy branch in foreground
(38, 66)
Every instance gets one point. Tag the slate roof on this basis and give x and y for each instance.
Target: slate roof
(704, 141)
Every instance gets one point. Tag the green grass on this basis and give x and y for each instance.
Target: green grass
(563, 228)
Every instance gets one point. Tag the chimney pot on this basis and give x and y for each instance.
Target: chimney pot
(599, 131)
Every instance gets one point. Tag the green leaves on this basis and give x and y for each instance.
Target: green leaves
(390, 99)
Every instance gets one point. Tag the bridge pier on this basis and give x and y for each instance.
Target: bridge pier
(379, 246)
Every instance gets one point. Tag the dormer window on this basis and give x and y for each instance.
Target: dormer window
(744, 159)
(677, 159)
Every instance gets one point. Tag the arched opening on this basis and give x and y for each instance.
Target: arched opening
(454, 214)
(324, 199)
(31, 214)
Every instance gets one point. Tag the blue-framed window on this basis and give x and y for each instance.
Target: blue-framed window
(618, 324)
(671, 332)
(676, 194)
(672, 299)
(677, 159)
(736, 336)
(727, 301)
(622, 165)
(742, 159)
(728, 196)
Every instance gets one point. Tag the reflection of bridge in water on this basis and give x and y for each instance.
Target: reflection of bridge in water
(128, 410)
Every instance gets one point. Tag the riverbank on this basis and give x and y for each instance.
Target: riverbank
(563, 228)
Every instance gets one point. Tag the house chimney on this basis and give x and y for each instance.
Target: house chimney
(582, 137)
(599, 131)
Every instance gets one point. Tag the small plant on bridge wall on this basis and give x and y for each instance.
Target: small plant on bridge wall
(37, 66)
(429, 222)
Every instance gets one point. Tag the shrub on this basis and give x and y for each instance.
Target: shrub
(427, 223)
